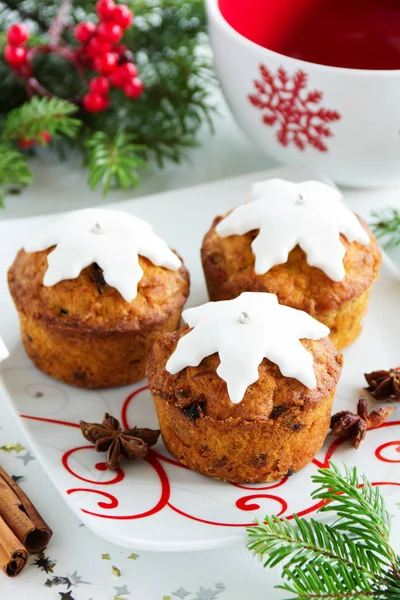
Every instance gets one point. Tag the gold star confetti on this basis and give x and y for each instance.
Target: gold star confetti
(115, 571)
(166, 597)
(118, 598)
(12, 448)
(133, 556)
(105, 557)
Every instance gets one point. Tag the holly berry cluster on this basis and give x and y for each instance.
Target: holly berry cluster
(100, 50)
(15, 52)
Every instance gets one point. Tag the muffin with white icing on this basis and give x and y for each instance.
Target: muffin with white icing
(93, 291)
(300, 242)
(244, 392)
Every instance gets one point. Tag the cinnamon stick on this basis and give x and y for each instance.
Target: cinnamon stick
(13, 554)
(21, 517)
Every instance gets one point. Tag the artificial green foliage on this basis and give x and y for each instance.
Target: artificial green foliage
(114, 161)
(349, 559)
(387, 227)
(169, 43)
(14, 170)
(52, 115)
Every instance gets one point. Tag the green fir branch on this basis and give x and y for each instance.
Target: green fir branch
(14, 170)
(350, 559)
(52, 115)
(387, 226)
(114, 161)
(170, 48)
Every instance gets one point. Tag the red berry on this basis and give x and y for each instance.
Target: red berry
(106, 63)
(95, 102)
(115, 78)
(122, 15)
(99, 85)
(123, 74)
(85, 31)
(105, 8)
(109, 32)
(15, 55)
(25, 143)
(134, 88)
(119, 48)
(45, 137)
(17, 34)
(97, 47)
(128, 71)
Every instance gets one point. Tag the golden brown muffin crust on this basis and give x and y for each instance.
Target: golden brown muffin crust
(229, 267)
(200, 391)
(88, 303)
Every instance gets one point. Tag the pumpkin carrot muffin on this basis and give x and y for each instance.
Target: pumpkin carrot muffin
(300, 242)
(238, 396)
(93, 291)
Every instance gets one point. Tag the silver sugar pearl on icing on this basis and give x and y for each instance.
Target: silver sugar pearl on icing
(97, 228)
(244, 318)
(300, 199)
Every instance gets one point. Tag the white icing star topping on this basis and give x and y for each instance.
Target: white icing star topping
(112, 239)
(243, 332)
(309, 214)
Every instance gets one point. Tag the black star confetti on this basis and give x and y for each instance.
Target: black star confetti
(44, 563)
(66, 595)
(17, 478)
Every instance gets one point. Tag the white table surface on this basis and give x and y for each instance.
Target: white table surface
(228, 574)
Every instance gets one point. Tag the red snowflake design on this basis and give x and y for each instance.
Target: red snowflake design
(288, 105)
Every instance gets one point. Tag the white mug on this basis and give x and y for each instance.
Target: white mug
(345, 122)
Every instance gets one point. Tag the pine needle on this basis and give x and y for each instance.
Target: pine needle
(387, 227)
(349, 559)
(14, 170)
(30, 120)
(114, 161)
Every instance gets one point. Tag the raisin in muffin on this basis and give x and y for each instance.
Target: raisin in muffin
(229, 269)
(277, 428)
(82, 331)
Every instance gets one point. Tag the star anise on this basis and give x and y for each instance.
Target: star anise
(108, 436)
(384, 385)
(352, 426)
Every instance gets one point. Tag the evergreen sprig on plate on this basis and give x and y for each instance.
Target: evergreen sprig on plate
(387, 227)
(349, 559)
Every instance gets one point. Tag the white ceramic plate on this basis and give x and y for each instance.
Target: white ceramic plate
(157, 504)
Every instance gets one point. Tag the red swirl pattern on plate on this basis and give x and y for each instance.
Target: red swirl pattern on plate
(113, 502)
(244, 503)
(99, 466)
(380, 450)
(250, 502)
(165, 493)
